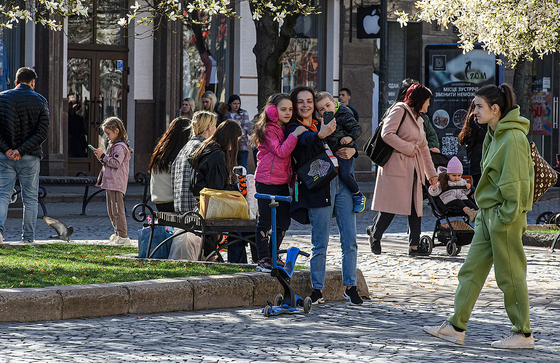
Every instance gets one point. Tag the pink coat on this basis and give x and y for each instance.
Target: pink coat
(114, 175)
(274, 159)
(395, 180)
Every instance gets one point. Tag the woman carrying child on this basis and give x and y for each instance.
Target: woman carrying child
(504, 195)
(114, 176)
(274, 171)
(452, 189)
(347, 132)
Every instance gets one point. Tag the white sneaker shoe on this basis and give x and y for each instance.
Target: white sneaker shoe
(515, 341)
(446, 331)
(112, 238)
(122, 241)
(1, 239)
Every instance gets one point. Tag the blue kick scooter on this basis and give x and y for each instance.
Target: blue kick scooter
(288, 302)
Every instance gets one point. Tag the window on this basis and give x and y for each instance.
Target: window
(206, 65)
(11, 45)
(100, 27)
(302, 63)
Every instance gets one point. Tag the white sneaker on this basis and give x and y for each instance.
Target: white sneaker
(1, 239)
(112, 238)
(122, 241)
(446, 331)
(515, 341)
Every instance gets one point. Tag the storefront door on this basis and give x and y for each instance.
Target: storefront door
(96, 91)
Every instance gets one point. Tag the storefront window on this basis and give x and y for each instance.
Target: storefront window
(100, 26)
(206, 58)
(302, 61)
(10, 56)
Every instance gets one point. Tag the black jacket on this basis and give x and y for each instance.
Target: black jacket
(309, 144)
(24, 121)
(346, 125)
(210, 171)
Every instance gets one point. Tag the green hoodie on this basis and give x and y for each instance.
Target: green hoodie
(507, 182)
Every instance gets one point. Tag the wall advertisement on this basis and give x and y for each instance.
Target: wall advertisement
(453, 77)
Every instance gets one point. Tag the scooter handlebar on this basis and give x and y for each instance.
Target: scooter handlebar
(300, 252)
(279, 198)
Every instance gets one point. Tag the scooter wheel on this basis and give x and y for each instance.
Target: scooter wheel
(267, 310)
(278, 300)
(307, 305)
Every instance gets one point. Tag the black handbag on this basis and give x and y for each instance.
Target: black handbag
(376, 149)
(317, 172)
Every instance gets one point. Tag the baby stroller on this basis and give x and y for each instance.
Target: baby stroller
(450, 233)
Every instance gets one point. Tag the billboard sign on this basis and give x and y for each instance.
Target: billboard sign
(453, 77)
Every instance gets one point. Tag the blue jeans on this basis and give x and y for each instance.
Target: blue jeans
(343, 207)
(243, 158)
(27, 171)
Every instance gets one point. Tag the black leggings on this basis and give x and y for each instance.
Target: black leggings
(382, 221)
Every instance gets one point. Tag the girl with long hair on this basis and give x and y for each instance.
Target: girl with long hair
(472, 136)
(203, 125)
(207, 102)
(274, 172)
(114, 176)
(166, 150)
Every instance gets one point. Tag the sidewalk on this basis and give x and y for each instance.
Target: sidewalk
(406, 293)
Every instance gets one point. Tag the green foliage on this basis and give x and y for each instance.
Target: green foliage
(68, 264)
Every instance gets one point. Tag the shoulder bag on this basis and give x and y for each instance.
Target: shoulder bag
(376, 149)
(318, 171)
(545, 175)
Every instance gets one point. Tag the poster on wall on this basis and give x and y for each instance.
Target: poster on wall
(453, 77)
(542, 113)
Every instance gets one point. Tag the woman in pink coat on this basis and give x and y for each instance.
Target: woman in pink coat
(398, 187)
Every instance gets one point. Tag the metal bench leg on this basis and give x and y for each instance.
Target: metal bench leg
(41, 196)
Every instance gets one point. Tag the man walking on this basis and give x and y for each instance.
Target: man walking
(344, 96)
(24, 126)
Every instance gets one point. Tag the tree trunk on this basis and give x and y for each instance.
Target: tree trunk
(272, 42)
(523, 88)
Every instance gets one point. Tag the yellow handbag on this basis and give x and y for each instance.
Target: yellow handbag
(223, 204)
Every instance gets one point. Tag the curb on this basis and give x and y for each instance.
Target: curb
(158, 296)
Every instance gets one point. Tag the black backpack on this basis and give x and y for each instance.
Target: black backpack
(376, 149)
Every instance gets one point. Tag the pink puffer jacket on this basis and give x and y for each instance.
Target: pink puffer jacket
(274, 160)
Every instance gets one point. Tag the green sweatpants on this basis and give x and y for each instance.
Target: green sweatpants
(498, 243)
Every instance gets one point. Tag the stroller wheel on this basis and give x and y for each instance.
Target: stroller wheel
(426, 243)
(452, 249)
(278, 300)
(544, 218)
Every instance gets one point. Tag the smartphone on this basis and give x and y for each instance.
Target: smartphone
(91, 147)
(328, 116)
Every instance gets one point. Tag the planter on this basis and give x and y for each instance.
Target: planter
(540, 239)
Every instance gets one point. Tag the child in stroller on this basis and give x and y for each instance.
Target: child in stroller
(452, 189)
(452, 233)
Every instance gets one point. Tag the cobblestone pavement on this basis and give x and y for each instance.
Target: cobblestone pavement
(406, 293)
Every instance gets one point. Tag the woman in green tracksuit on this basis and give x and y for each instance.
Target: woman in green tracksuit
(504, 196)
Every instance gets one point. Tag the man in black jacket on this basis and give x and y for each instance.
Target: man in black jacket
(24, 126)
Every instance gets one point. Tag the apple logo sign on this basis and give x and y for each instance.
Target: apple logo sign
(371, 23)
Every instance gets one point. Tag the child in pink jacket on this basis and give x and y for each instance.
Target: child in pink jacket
(274, 172)
(114, 176)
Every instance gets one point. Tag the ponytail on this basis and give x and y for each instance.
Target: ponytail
(502, 96)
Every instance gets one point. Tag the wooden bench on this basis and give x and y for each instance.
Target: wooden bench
(81, 179)
(211, 231)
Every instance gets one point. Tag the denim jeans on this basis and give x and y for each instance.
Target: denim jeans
(27, 171)
(243, 158)
(343, 207)
(346, 173)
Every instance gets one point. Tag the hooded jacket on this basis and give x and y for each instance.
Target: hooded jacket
(274, 165)
(507, 181)
(114, 175)
(346, 125)
(210, 171)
